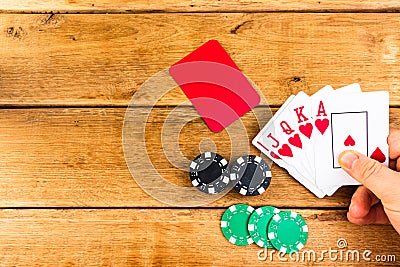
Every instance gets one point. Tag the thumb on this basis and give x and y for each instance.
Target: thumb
(372, 174)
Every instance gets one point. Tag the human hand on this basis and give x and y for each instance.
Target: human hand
(377, 201)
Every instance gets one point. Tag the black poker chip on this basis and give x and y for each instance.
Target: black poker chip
(251, 175)
(208, 173)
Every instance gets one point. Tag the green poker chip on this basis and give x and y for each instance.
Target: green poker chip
(288, 232)
(258, 223)
(234, 224)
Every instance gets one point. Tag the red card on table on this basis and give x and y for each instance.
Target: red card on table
(214, 84)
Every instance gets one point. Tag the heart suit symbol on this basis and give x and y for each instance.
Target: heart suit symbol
(306, 129)
(378, 155)
(322, 125)
(295, 141)
(285, 151)
(349, 141)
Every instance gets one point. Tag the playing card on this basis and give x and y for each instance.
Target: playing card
(351, 88)
(303, 122)
(281, 138)
(292, 171)
(268, 146)
(349, 131)
(264, 143)
(318, 114)
(357, 121)
(286, 127)
(321, 94)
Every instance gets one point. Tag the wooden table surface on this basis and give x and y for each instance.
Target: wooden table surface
(68, 70)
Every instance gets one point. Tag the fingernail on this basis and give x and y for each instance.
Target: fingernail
(347, 159)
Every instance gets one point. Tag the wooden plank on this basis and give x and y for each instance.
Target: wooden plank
(101, 60)
(168, 237)
(128, 6)
(74, 158)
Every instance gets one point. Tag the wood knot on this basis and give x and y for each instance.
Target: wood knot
(296, 79)
(15, 32)
(296, 84)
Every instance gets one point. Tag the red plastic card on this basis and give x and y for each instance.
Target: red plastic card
(214, 84)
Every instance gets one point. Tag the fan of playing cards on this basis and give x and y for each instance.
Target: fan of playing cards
(306, 135)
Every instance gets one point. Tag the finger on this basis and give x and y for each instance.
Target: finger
(382, 181)
(376, 215)
(392, 164)
(397, 164)
(361, 202)
(394, 143)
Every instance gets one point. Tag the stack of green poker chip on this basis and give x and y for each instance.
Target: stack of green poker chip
(258, 223)
(234, 224)
(268, 227)
(288, 232)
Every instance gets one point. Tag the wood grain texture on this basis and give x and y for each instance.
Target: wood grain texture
(128, 6)
(166, 237)
(74, 158)
(101, 60)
